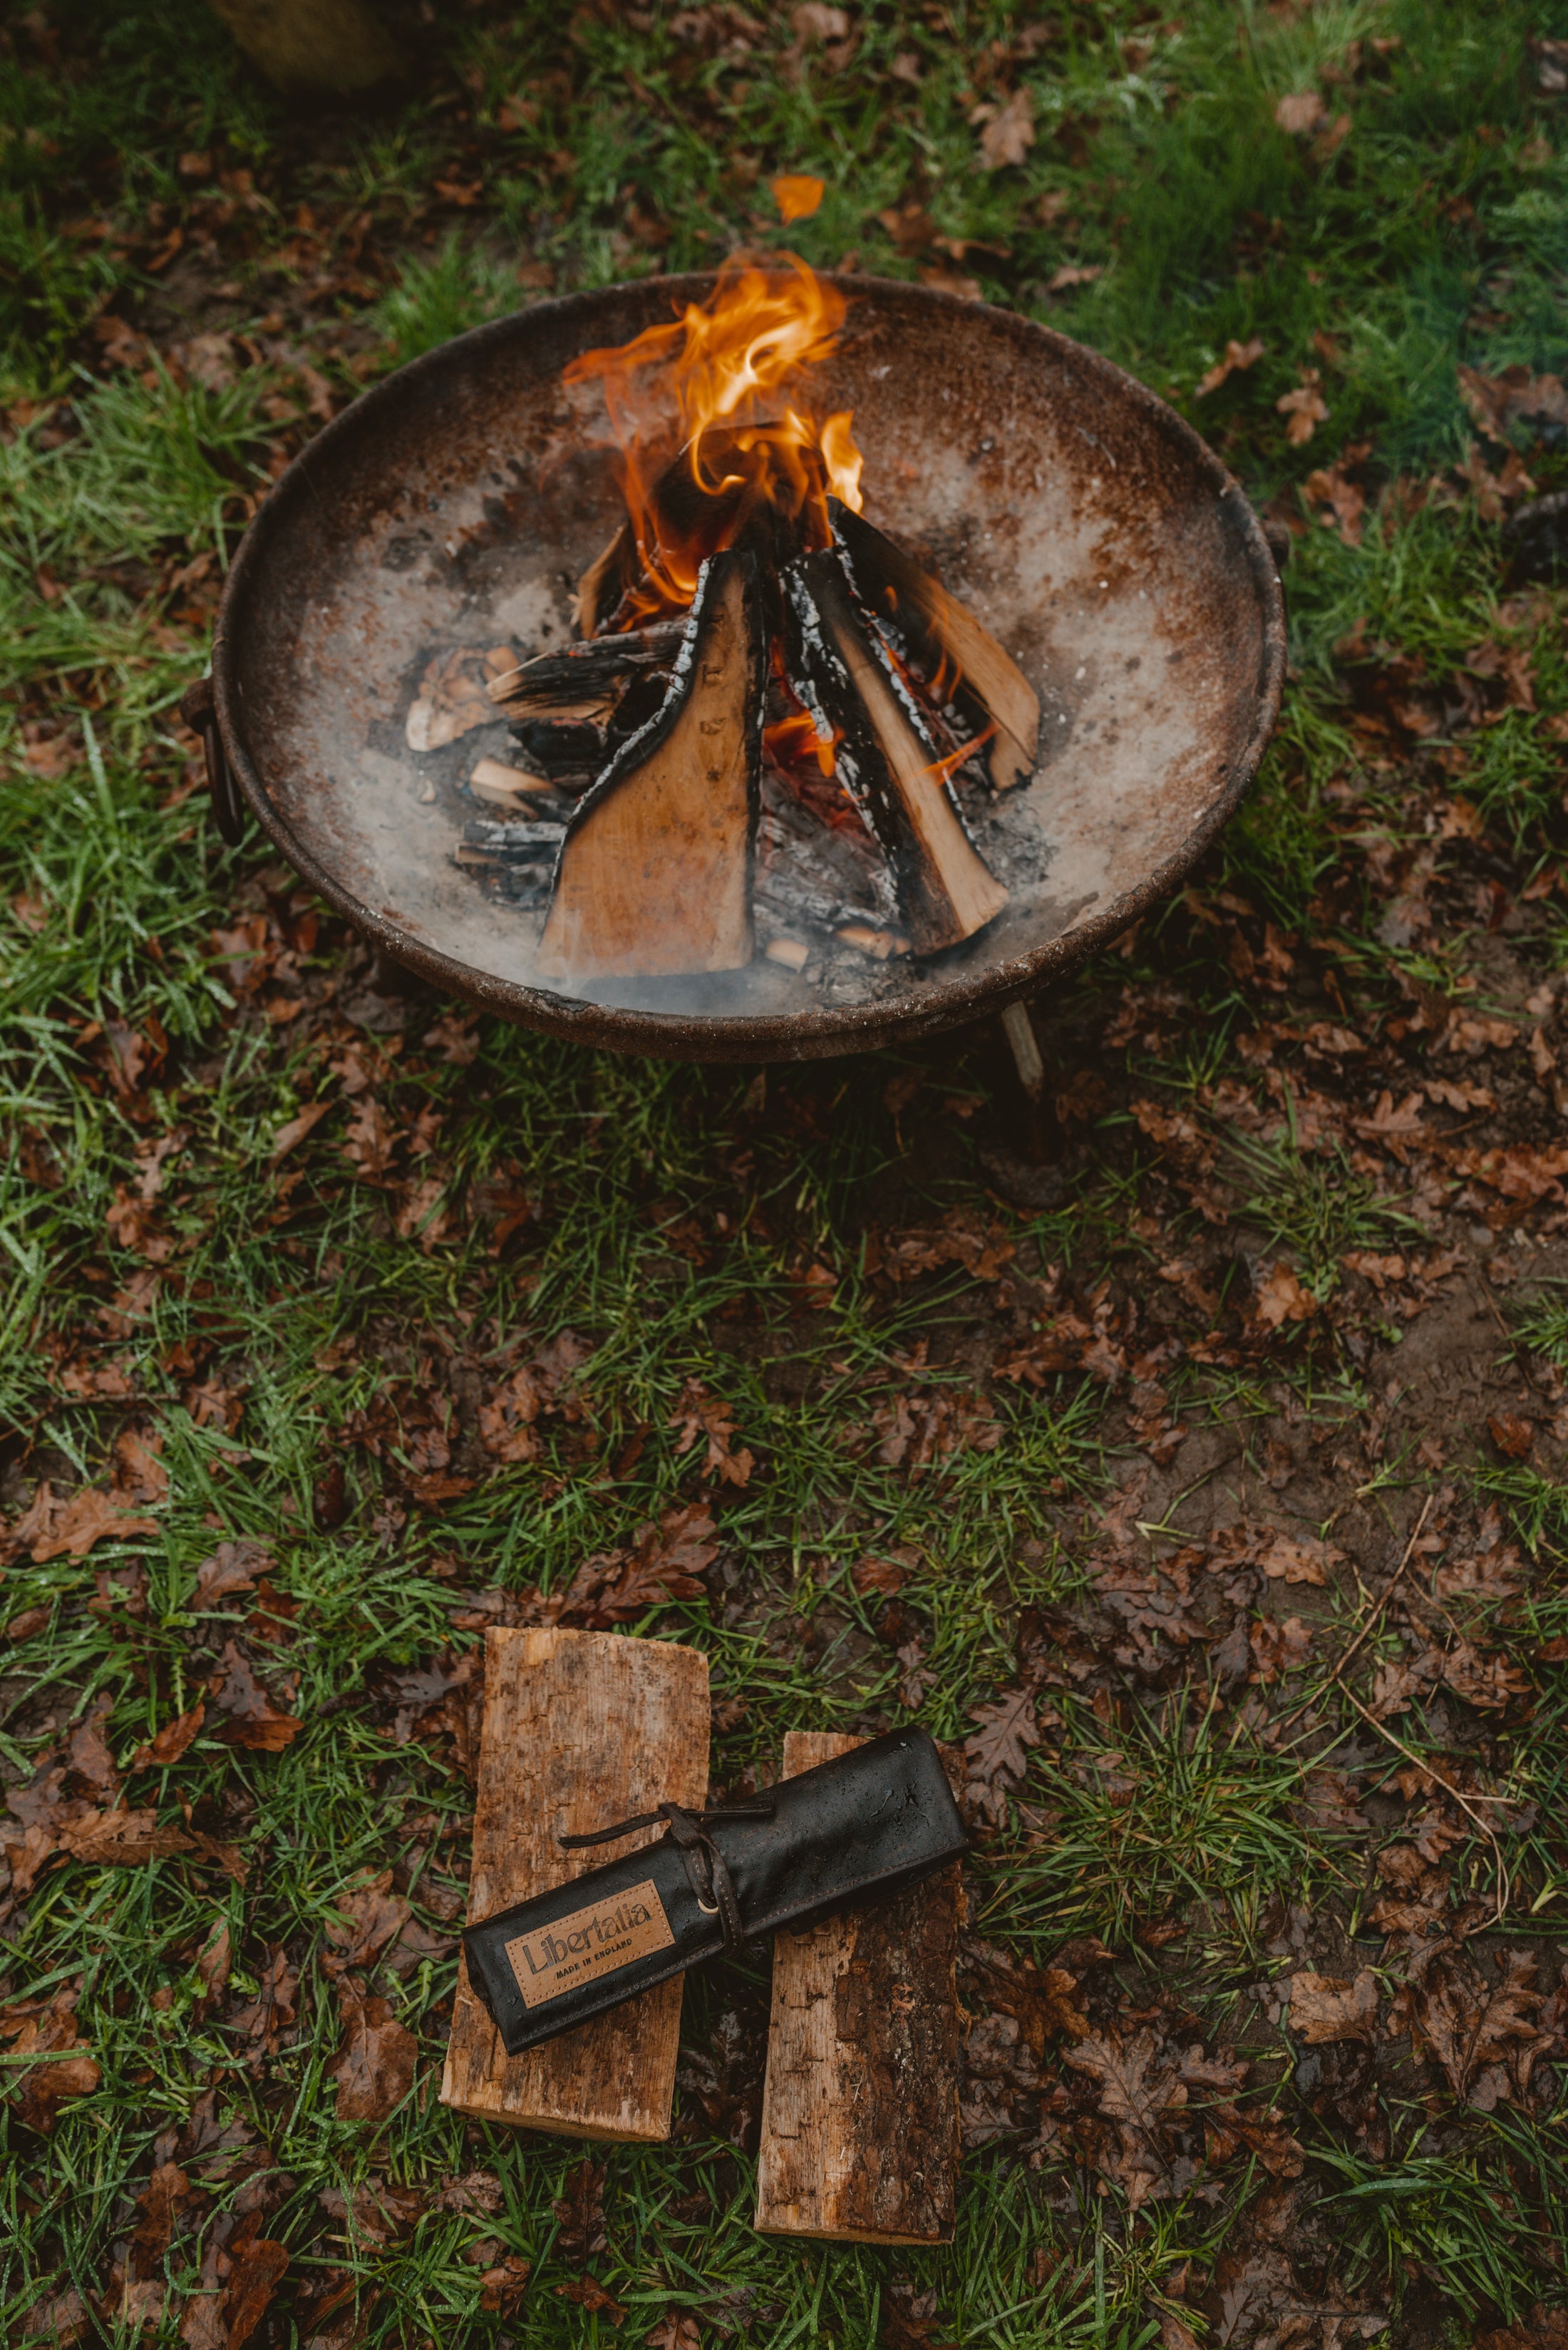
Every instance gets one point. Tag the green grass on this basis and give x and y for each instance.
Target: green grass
(157, 1270)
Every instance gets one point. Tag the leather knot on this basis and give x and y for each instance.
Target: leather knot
(705, 1865)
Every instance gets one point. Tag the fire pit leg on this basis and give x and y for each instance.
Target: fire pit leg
(1019, 1031)
(1027, 1115)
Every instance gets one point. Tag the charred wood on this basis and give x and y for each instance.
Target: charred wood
(595, 674)
(841, 672)
(942, 637)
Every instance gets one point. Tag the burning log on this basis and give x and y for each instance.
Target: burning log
(942, 636)
(841, 671)
(655, 871)
(743, 585)
(588, 680)
(607, 580)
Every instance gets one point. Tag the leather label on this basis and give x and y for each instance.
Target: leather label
(590, 1942)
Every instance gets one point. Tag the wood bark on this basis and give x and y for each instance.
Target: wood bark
(946, 892)
(989, 687)
(656, 870)
(324, 45)
(581, 1728)
(860, 2136)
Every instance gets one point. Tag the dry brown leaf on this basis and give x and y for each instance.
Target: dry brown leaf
(253, 1718)
(293, 1130)
(678, 2331)
(1228, 2129)
(1300, 111)
(157, 1753)
(139, 1474)
(580, 2214)
(797, 194)
(1008, 135)
(1305, 407)
(48, 2028)
(1238, 358)
(374, 2068)
(698, 1413)
(1007, 1729)
(1138, 2087)
(1323, 2008)
(1280, 1297)
(89, 1756)
(365, 1920)
(272, 2010)
(1299, 1562)
(1483, 2027)
(232, 1566)
(213, 1961)
(613, 1588)
(501, 2287)
(88, 1517)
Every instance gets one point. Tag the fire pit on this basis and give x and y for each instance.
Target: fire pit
(967, 786)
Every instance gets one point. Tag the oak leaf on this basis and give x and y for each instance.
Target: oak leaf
(374, 2068)
(88, 1517)
(1237, 356)
(698, 1413)
(1010, 133)
(614, 1588)
(589, 2295)
(254, 1720)
(172, 1741)
(1323, 2008)
(89, 1756)
(272, 2010)
(501, 2287)
(1229, 2128)
(1306, 409)
(1484, 2033)
(1007, 1729)
(364, 1919)
(232, 1566)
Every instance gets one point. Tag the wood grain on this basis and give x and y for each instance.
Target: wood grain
(656, 868)
(860, 2138)
(959, 881)
(580, 1728)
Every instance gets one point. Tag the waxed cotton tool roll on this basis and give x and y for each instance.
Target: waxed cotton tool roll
(862, 1827)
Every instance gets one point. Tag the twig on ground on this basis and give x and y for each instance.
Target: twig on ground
(1383, 1598)
(1467, 1804)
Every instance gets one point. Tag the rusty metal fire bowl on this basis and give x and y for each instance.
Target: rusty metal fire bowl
(457, 504)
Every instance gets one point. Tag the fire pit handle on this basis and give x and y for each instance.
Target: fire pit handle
(199, 712)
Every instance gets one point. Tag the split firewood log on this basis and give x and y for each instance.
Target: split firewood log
(979, 679)
(654, 872)
(842, 674)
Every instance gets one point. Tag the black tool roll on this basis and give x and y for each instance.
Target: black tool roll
(866, 1825)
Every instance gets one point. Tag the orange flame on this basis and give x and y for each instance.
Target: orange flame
(688, 407)
(944, 768)
(790, 741)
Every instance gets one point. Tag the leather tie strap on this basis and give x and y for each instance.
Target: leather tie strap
(705, 1863)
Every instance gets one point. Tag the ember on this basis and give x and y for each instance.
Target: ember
(769, 734)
